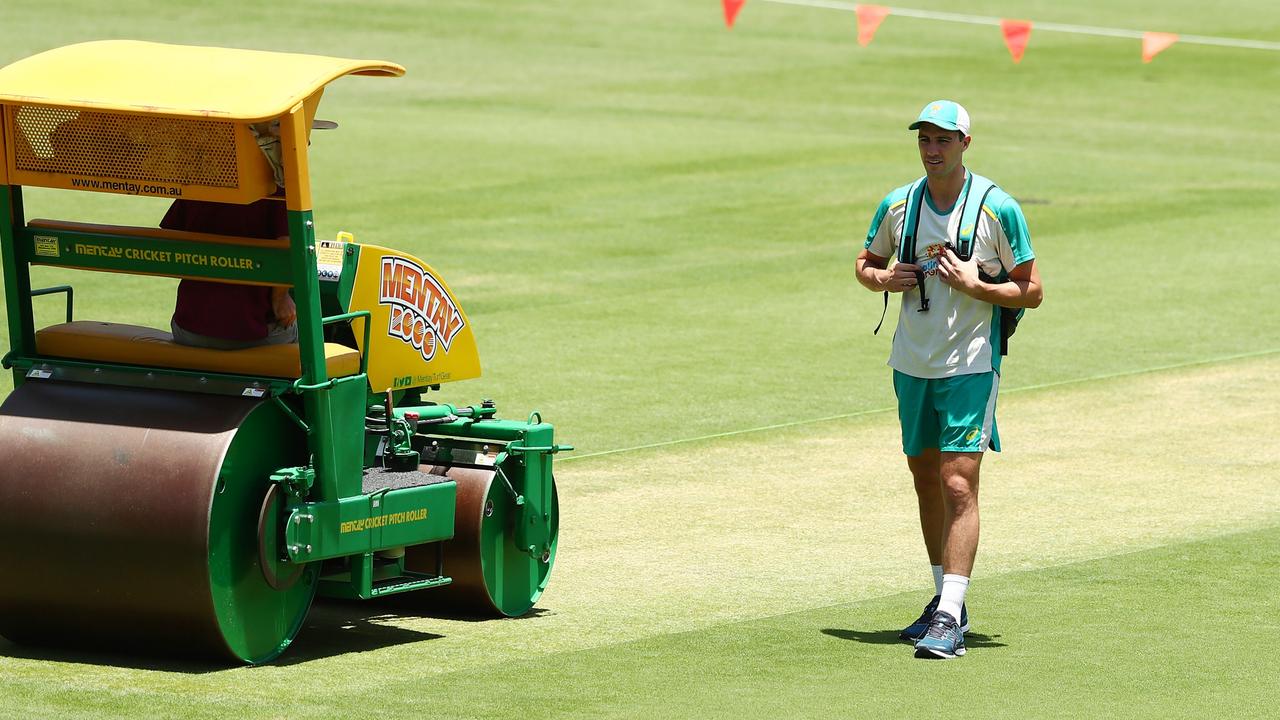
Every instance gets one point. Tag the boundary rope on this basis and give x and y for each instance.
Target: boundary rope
(1048, 26)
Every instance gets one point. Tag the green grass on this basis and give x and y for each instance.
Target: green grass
(651, 222)
(1149, 634)
(703, 539)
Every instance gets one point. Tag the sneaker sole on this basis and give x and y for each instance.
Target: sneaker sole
(932, 654)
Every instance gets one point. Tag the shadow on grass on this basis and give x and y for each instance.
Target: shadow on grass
(338, 627)
(420, 605)
(890, 637)
(135, 661)
(331, 628)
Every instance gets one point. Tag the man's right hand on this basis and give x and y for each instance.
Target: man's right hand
(902, 277)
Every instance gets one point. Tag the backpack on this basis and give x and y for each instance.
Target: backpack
(962, 247)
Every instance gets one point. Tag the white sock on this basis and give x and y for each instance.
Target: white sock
(937, 579)
(953, 590)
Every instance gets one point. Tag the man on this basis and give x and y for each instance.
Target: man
(228, 316)
(946, 349)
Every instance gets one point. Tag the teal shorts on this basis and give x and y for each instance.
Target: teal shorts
(953, 414)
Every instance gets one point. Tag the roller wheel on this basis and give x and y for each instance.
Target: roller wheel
(490, 575)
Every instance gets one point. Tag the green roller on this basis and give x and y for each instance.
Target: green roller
(158, 495)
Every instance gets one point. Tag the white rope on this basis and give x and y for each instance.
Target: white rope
(1048, 26)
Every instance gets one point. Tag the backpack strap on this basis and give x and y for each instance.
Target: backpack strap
(911, 222)
(970, 212)
(907, 245)
(910, 230)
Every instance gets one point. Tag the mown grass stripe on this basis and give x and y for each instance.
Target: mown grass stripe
(875, 411)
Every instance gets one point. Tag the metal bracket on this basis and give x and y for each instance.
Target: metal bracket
(297, 481)
(516, 497)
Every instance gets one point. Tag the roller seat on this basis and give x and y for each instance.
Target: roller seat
(136, 345)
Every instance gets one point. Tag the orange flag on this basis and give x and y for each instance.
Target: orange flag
(869, 19)
(1016, 35)
(1155, 42)
(731, 8)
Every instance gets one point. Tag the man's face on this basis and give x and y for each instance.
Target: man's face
(941, 151)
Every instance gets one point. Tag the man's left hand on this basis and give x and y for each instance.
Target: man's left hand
(282, 305)
(959, 274)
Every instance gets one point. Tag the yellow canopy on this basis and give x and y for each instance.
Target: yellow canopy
(176, 80)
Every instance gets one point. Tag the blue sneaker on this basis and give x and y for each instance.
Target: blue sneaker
(917, 629)
(944, 638)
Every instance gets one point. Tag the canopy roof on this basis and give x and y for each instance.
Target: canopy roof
(176, 80)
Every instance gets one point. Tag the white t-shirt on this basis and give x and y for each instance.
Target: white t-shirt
(958, 335)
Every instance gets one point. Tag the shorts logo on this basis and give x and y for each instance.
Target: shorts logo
(973, 434)
(422, 313)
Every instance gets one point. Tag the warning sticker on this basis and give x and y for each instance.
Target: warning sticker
(46, 246)
(329, 259)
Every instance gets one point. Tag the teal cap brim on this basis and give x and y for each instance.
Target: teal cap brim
(936, 121)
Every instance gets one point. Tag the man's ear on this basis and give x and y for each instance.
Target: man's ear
(966, 141)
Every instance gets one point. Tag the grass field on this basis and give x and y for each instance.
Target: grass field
(651, 222)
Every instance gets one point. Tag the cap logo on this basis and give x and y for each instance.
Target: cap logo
(935, 109)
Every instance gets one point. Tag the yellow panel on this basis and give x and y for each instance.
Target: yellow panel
(293, 156)
(199, 159)
(419, 334)
(137, 345)
(4, 144)
(176, 80)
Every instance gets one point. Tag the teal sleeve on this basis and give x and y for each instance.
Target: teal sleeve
(1014, 225)
(877, 220)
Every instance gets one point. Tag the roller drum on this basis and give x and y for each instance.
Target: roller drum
(129, 521)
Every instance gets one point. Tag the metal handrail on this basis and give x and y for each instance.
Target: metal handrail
(58, 289)
(364, 356)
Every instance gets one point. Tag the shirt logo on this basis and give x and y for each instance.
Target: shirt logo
(929, 265)
(422, 313)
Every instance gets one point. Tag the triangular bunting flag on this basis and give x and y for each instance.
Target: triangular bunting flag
(869, 19)
(1016, 35)
(1155, 42)
(731, 8)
